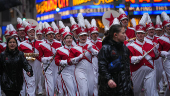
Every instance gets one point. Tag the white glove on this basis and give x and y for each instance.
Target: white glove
(45, 60)
(165, 54)
(94, 52)
(76, 59)
(134, 59)
(63, 62)
(156, 52)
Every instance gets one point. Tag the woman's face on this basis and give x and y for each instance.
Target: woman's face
(83, 38)
(68, 40)
(121, 36)
(12, 44)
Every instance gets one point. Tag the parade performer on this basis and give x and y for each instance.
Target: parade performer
(130, 33)
(164, 48)
(30, 46)
(62, 59)
(46, 50)
(142, 56)
(81, 55)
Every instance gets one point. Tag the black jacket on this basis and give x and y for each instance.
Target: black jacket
(11, 70)
(114, 63)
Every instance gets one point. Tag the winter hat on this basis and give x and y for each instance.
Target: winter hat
(28, 26)
(87, 25)
(7, 32)
(67, 32)
(142, 23)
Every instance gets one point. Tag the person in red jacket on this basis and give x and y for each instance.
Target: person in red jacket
(62, 59)
(164, 48)
(47, 49)
(142, 67)
(130, 33)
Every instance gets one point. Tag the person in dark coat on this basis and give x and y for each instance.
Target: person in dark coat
(114, 64)
(12, 63)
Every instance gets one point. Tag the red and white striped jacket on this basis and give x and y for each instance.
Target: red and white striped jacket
(81, 48)
(29, 46)
(2, 47)
(152, 40)
(46, 49)
(97, 44)
(139, 49)
(164, 42)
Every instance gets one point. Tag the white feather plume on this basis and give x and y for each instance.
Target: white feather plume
(164, 16)
(144, 19)
(149, 19)
(40, 26)
(19, 20)
(61, 25)
(54, 26)
(11, 27)
(121, 11)
(67, 29)
(158, 19)
(80, 20)
(72, 21)
(133, 22)
(93, 23)
(25, 23)
(87, 23)
(46, 25)
(7, 27)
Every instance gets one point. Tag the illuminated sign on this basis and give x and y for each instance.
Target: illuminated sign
(49, 5)
(148, 1)
(89, 10)
(98, 2)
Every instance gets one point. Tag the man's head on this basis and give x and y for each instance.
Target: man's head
(21, 33)
(31, 34)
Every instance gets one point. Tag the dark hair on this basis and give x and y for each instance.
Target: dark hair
(7, 48)
(114, 29)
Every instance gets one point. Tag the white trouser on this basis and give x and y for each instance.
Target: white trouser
(161, 85)
(159, 69)
(166, 67)
(144, 76)
(22, 92)
(95, 70)
(38, 75)
(49, 79)
(69, 83)
(30, 84)
(57, 81)
(84, 78)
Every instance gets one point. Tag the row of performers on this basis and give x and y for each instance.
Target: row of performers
(79, 59)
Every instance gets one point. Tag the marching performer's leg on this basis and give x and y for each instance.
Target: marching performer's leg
(30, 84)
(38, 76)
(166, 67)
(81, 80)
(91, 81)
(22, 92)
(68, 82)
(150, 84)
(49, 80)
(95, 70)
(161, 86)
